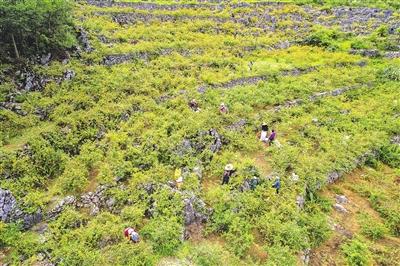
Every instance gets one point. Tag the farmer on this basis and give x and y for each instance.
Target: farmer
(229, 170)
(264, 132)
(254, 182)
(277, 184)
(223, 109)
(194, 105)
(178, 177)
(131, 234)
(272, 137)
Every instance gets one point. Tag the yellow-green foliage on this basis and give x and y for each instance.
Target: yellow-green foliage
(123, 127)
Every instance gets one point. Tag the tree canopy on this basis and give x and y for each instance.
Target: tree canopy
(35, 26)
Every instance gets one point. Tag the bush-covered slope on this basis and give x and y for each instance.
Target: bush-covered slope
(93, 142)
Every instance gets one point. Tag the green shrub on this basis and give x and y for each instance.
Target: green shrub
(317, 228)
(166, 234)
(390, 155)
(239, 237)
(66, 222)
(359, 44)
(126, 253)
(133, 215)
(371, 228)
(48, 161)
(280, 255)
(21, 243)
(208, 254)
(75, 177)
(323, 37)
(391, 72)
(277, 231)
(356, 252)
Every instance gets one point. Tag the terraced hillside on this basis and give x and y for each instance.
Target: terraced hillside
(92, 141)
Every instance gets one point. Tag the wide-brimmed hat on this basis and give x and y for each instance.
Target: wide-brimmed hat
(264, 124)
(229, 167)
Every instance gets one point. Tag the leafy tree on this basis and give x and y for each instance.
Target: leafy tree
(33, 26)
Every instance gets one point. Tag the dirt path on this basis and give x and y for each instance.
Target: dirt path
(346, 225)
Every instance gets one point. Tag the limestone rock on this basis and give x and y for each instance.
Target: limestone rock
(305, 256)
(300, 201)
(56, 211)
(69, 74)
(217, 145)
(45, 59)
(340, 208)
(333, 176)
(194, 210)
(14, 107)
(84, 40)
(237, 126)
(10, 212)
(341, 199)
(395, 140)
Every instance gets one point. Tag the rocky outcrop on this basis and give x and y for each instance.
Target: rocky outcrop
(366, 53)
(246, 81)
(96, 200)
(30, 81)
(134, 17)
(314, 97)
(241, 82)
(333, 176)
(84, 40)
(153, 6)
(10, 212)
(393, 55)
(341, 199)
(237, 126)
(14, 107)
(116, 59)
(69, 74)
(43, 113)
(217, 144)
(305, 256)
(8, 205)
(359, 20)
(110, 60)
(199, 142)
(44, 60)
(194, 210)
(56, 211)
(340, 208)
(300, 201)
(395, 140)
(376, 53)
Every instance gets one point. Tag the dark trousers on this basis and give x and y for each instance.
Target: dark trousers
(225, 180)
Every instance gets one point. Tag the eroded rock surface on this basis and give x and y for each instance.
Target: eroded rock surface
(10, 211)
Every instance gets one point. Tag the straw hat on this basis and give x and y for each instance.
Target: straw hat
(229, 167)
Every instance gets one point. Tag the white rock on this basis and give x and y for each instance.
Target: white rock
(340, 208)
